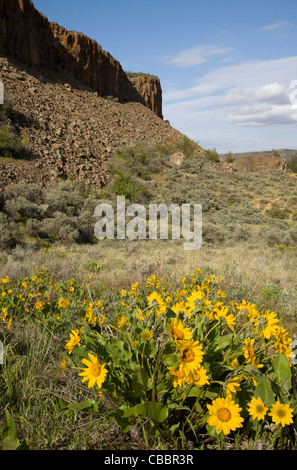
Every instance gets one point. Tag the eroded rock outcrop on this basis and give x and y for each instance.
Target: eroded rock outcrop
(258, 162)
(149, 88)
(27, 35)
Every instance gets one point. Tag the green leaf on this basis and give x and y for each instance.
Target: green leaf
(140, 382)
(150, 349)
(156, 411)
(170, 314)
(117, 349)
(264, 391)
(282, 369)
(8, 444)
(118, 416)
(211, 430)
(88, 406)
(8, 433)
(222, 342)
(171, 361)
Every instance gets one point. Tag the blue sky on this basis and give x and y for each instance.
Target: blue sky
(228, 69)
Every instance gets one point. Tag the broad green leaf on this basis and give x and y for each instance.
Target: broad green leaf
(264, 391)
(9, 444)
(118, 416)
(170, 314)
(117, 349)
(88, 406)
(222, 342)
(171, 361)
(156, 411)
(8, 433)
(211, 430)
(150, 349)
(140, 382)
(282, 370)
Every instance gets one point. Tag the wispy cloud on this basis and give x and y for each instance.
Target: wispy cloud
(269, 93)
(274, 26)
(196, 55)
(245, 75)
(253, 94)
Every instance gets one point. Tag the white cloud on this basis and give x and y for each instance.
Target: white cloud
(253, 94)
(195, 56)
(271, 92)
(274, 26)
(264, 114)
(245, 75)
(263, 106)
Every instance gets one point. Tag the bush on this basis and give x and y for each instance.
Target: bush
(10, 143)
(125, 185)
(31, 192)
(64, 198)
(21, 208)
(212, 155)
(292, 164)
(277, 213)
(10, 233)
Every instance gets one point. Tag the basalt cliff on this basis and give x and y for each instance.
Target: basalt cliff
(73, 104)
(29, 37)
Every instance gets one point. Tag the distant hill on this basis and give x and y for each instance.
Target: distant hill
(287, 154)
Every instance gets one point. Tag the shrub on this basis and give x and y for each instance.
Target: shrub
(212, 155)
(125, 185)
(22, 208)
(31, 192)
(277, 213)
(10, 233)
(62, 228)
(64, 198)
(292, 164)
(10, 143)
(213, 233)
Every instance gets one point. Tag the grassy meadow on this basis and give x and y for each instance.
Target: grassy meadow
(178, 349)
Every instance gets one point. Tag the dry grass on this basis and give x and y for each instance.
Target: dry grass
(260, 274)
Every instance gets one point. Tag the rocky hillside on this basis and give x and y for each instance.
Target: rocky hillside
(71, 102)
(70, 131)
(29, 37)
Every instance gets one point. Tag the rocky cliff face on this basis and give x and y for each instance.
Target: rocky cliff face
(149, 88)
(29, 37)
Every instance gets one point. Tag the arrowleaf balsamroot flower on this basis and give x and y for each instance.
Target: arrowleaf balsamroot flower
(74, 341)
(281, 414)
(257, 408)
(179, 376)
(190, 355)
(178, 331)
(147, 334)
(95, 372)
(198, 377)
(224, 415)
